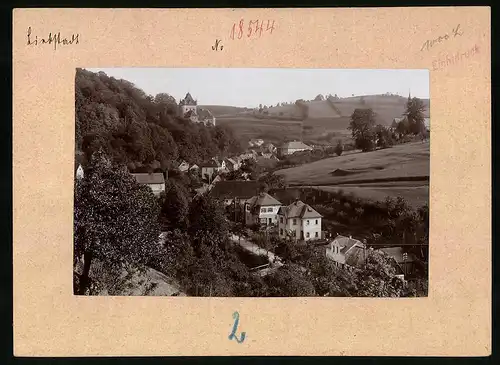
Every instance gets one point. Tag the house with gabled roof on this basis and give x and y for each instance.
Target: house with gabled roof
(262, 209)
(156, 181)
(349, 253)
(300, 221)
(294, 146)
(205, 117)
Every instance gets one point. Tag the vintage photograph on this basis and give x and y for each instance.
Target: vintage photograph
(227, 182)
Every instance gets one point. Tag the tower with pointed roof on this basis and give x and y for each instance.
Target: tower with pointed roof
(188, 105)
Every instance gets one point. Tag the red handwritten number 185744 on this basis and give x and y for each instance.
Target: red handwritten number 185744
(251, 28)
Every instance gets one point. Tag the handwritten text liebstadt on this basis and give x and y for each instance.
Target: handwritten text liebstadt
(52, 38)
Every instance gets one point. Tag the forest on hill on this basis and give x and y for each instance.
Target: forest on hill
(143, 131)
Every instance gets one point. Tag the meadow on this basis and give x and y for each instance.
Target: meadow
(402, 170)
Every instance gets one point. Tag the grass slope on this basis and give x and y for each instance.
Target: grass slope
(399, 171)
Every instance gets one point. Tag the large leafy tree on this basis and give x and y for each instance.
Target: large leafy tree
(414, 113)
(362, 127)
(175, 207)
(115, 220)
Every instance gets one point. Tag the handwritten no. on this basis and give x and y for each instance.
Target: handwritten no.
(253, 27)
(236, 317)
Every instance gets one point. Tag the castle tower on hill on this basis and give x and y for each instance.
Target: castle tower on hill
(188, 108)
(188, 104)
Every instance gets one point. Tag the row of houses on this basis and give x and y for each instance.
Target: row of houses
(300, 221)
(297, 220)
(269, 149)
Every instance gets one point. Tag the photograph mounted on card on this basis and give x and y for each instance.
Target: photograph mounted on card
(245, 178)
(315, 185)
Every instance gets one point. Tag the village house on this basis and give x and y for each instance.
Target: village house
(266, 155)
(351, 254)
(256, 142)
(209, 169)
(300, 221)
(347, 252)
(232, 164)
(269, 147)
(248, 155)
(183, 166)
(156, 181)
(206, 117)
(262, 209)
(292, 147)
(232, 191)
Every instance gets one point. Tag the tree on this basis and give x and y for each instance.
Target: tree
(362, 128)
(207, 222)
(415, 110)
(319, 97)
(175, 207)
(384, 137)
(115, 220)
(339, 148)
(378, 277)
(289, 281)
(273, 181)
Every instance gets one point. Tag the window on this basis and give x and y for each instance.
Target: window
(262, 210)
(269, 209)
(281, 231)
(294, 221)
(307, 235)
(316, 234)
(248, 208)
(316, 221)
(281, 219)
(307, 222)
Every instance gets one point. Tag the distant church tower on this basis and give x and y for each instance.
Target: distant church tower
(188, 105)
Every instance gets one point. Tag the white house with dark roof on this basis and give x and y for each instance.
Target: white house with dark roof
(156, 181)
(346, 252)
(262, 209)
(292, 147)
(299, 220)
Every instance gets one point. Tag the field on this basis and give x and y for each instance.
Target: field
(399, 171)
(271, 130)
(326, 123)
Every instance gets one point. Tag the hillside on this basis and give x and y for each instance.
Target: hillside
(399, 171)
(220, 110)
(139, 130)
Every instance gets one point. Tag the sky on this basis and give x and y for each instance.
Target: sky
(249, 87)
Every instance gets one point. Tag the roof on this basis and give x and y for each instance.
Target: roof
(346, 243)
(188, 100)
(299, 209)
(231, 161)
(210, 163)
(263, 199)
(355, 256)
(154, 178)
(235, 188)
(397, 254)
(204, 114)
(296, 145)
